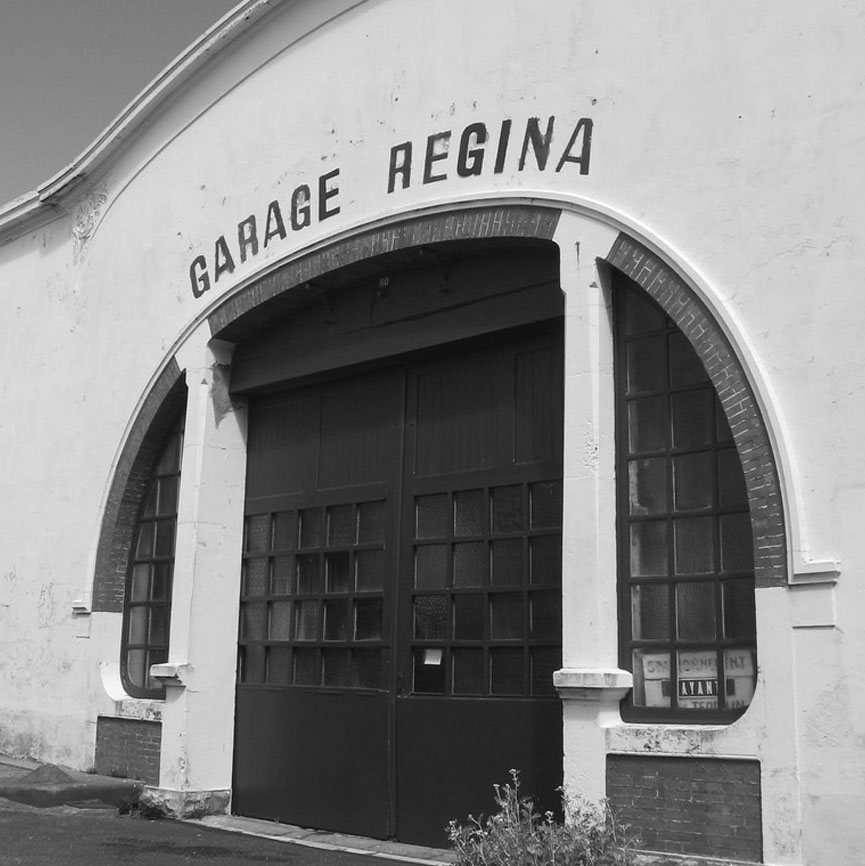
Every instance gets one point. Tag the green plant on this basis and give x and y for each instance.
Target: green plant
(518, 836)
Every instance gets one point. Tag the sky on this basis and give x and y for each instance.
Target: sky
(69, 67)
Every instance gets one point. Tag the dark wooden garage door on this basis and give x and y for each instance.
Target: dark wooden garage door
(401, 600)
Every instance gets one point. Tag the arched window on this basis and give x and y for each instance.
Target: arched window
(147, 607)
(686, 563)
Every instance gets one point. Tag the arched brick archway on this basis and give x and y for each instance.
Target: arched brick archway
(746, 421)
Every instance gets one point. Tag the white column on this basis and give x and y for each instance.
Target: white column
(198, 716)
(590, 682)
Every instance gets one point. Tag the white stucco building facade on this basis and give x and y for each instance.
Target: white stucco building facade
(373, 208)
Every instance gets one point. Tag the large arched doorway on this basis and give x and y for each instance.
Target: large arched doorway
(401, 591)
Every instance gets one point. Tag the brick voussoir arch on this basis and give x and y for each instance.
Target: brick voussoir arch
(737, 398)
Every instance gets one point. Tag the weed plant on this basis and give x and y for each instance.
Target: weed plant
(518, 836)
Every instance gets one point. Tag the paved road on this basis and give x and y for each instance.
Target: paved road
(69, 836)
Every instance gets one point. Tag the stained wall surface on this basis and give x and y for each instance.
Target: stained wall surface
(725, 137)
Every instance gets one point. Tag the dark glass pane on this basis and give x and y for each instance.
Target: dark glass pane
(470, 563)
(646, 362)
(740, 676)
(647, 485)
(697, 686)
(168, 495)
(164, 537)
(737, 543)
(308, 574)
(468, 671)
(255, 576)
(507, 562)
(650, 611)
(693, 419)
(546, 614)
(651, 679)
(341, 526)
(366, 669)
(136, 667)
(545, 661)
(431, 566)
(252, 664)
(648, 425)
(279, 665)
(506, 671)
(695, 545)
(311, 530)
(138, 625)
(141, 582)
(280, 578)
(337, 567)
(685, 366)
(431, 513)
(368, 619)
(284, 530)
(369, 569)
(641, 314)
(280, 620)
(429, 671)
(649, 548)
(144, 548)
(307, 620)
(253, 620)
(693, 485)
(307, 669)
(161, 588)
(169, 460)
(258, 533)
(545, 553)
(546, 504)
(732, 492)
(506, 615)
(337, 667)
(336, 619)
(695, 610)
(150, 502)
(469, 513)
(371, 522)
(158, 626)
(469, 617)
(431, 617)
(508, 509)
(739, 614)
(723, 434)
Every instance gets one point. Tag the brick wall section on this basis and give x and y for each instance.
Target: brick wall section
(696, 806)
(128, 748)
(129, 485)
(252, 307)
(737, 397)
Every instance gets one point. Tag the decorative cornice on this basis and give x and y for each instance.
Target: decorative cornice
(29, 209)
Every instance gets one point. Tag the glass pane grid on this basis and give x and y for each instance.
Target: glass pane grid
(688, 527)
(312, 602)
(482, 558)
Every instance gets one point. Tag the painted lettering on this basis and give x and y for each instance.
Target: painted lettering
(540, 143)
(247, 238)
(470, 160)
(400, 164)
(198, 276)
(582, 132)
(274, 227)
(437, 147)
(502, 149)
(327, 191)
(222, 259)
(301, 216)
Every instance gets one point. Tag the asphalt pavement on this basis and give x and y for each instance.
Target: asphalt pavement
(52, 816)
